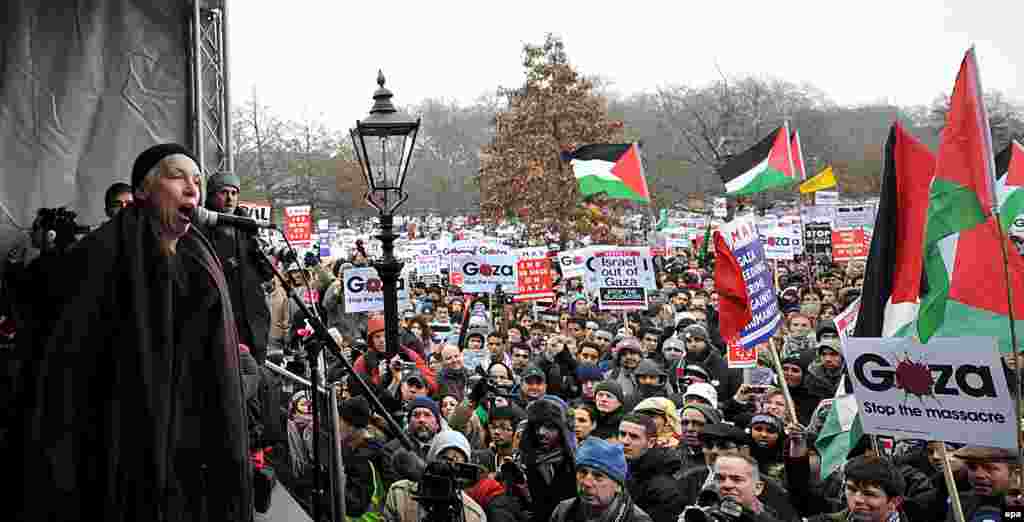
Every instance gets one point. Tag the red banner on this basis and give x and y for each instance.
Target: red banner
(298, 225)
(534, 279)
(848, 245)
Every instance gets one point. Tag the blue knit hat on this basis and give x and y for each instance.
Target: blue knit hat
(588, 372)
(603, 456)
(428, 403)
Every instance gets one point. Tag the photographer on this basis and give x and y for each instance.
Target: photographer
(738, 484)
(381, 368)
(402, 504)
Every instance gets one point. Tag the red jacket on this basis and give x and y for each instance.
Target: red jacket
(421, 365)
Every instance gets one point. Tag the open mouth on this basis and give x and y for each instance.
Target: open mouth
(185, 212)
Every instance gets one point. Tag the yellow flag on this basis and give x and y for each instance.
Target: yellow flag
(822, 180)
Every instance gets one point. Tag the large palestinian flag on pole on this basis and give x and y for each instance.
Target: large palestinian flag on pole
(766, 165)
(892, 278)
(1010, 183)
(964, 245)
(613, 168)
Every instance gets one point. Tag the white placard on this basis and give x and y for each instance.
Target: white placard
(619, 267)
(485, 273)
(826, 197)
(780, 243)
(849, 218)
(952, 389)
(571, 262)
(364, 291)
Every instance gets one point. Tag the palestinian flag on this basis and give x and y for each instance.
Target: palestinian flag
(612, 168)
(841, 431)
(798, 156)
(964, 244)
(1010, 183)
(766, 165)
(892, 278)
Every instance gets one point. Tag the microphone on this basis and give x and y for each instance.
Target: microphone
(209, 218)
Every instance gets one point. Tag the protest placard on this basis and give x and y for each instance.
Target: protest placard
(849, 245)
(298, 227)
(618, 267)
(632, 298)
(364, 291)
(952, 389)
(571, 262)
(534, 274)
(483, 274)
(741, 237)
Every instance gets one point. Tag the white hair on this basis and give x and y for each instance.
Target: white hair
(755, 475)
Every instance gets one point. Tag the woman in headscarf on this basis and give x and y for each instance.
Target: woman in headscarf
(666, 417)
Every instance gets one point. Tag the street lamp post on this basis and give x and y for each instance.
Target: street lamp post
(384, 144)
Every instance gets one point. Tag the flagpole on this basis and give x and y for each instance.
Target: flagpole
(782, 377)
(954, 495)
(991, 184)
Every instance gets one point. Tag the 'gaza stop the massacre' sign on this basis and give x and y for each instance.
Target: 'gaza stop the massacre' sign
(952, 389)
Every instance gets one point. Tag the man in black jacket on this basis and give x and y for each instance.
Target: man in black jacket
(650, 482)
(245, 266)
(699, 350)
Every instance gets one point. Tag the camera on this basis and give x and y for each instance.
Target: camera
(442, 482)
(282, 253)
(711, 507)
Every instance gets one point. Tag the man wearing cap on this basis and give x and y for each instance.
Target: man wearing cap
(991, 473)
(651, 381)
(423, 422)
(147, 326)
(534, 386)
(382, 368)
(601, 487)
(628, 358)
(245, 266)
(826, 372)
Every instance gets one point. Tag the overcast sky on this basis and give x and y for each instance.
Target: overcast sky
(319, 58)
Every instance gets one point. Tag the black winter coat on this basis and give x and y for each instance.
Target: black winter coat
(652, 487)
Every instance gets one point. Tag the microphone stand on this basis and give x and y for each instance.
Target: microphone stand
(316, 342)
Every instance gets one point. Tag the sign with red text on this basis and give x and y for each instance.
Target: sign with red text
(534, 277)
(848, 245)
(298, 225)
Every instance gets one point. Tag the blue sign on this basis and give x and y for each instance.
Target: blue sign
(742, 237)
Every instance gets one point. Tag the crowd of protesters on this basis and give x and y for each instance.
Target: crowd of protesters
(572, 413)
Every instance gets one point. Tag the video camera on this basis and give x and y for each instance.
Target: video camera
(439, 490)
(711, 507)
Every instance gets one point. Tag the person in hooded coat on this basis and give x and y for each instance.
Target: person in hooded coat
(610, 402)
(651, 381)
(132, 405)
(794, 369)
(548, 452)
(699, 350)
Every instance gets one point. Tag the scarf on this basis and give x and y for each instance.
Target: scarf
(546, 463)
(620, 510)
